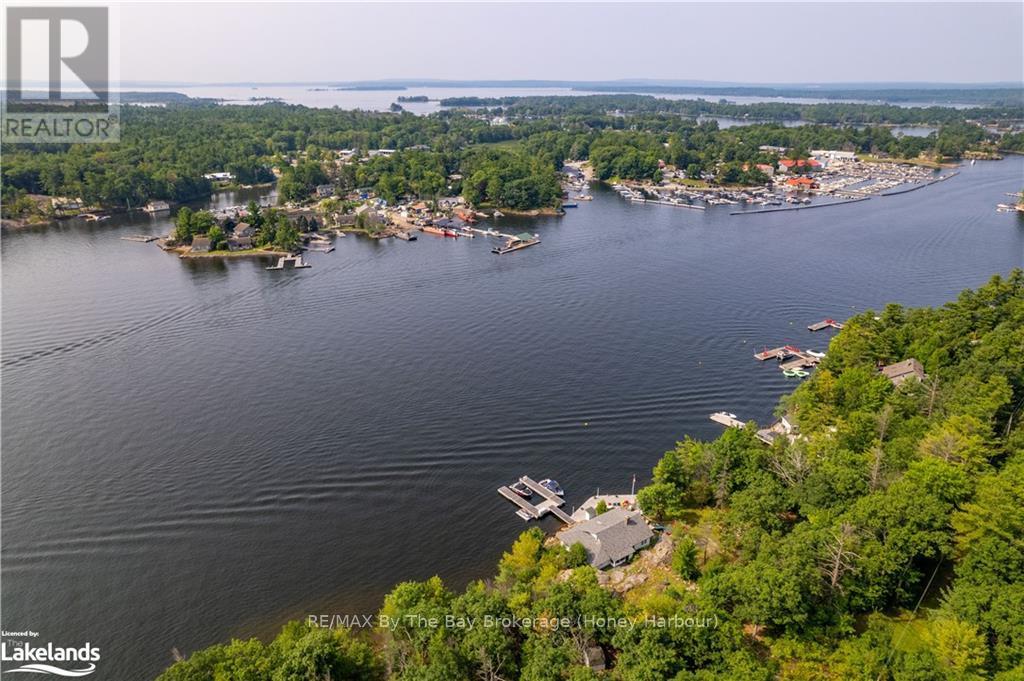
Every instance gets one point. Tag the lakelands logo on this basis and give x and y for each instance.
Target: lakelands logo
(57, 75)
(47, 659)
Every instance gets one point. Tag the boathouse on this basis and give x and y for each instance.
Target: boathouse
(200, 244)
(611, 538)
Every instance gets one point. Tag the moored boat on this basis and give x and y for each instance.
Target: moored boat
(553, 486)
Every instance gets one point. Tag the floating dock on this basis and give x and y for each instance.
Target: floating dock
(289, 262)
(802, 207)
(790, 357)
(825, 324)
(141, 238)
(726, 419)
(527, 511)
(776, 353)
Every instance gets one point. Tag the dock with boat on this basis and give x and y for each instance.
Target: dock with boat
(727, 419)
(550, 502)
(517, 242)
(825, 324)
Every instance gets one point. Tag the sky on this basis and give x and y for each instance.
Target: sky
(738, 42)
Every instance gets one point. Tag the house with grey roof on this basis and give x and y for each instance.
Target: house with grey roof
(200, 244)
(611, 538)
(900, 372)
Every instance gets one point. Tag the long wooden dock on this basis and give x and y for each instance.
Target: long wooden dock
(528, 511)
(783, 209)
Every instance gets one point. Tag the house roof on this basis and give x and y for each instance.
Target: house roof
(799, 163)
(800, 180)
(900, 371)
(610, 537)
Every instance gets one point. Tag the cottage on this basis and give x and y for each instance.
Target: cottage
(900, 372)
(244, 229)
(157, 206)
(200, 244)
(611, 538)
(241, 243)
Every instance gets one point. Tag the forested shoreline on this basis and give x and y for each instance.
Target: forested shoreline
(508, 160)
(882, 541)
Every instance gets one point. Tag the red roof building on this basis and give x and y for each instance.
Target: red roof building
(808, 164)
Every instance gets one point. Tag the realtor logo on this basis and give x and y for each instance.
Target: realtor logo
(57, 75)
(60, 29)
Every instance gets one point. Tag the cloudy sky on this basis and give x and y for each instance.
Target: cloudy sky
(744, 42)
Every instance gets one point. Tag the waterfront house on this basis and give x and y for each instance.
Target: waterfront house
(900, 372)
(241, 243)
(200, 244)
(157, 206)
(611, 538)
(244, 229)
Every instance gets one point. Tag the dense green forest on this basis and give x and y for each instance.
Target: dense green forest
(165, 152)
(882, 543)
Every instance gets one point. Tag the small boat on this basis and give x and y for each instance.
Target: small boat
(585, 197)
(570, 204)
(800, 373)
(813, 353)
(498, 214)
(522, 490)
(553, 486)
(451, 232)
(789, 373)
(467, 233)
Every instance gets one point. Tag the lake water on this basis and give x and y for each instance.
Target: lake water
(199, 450)
(317, 96)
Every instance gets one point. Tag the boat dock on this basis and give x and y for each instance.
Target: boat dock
(775, 353)
(141, 238)
(825, 324)
(527, 511)
(289, 262)
(726, 419)
(790, 357)
(803, 207)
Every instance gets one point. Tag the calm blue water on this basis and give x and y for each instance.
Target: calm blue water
(199, 450)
